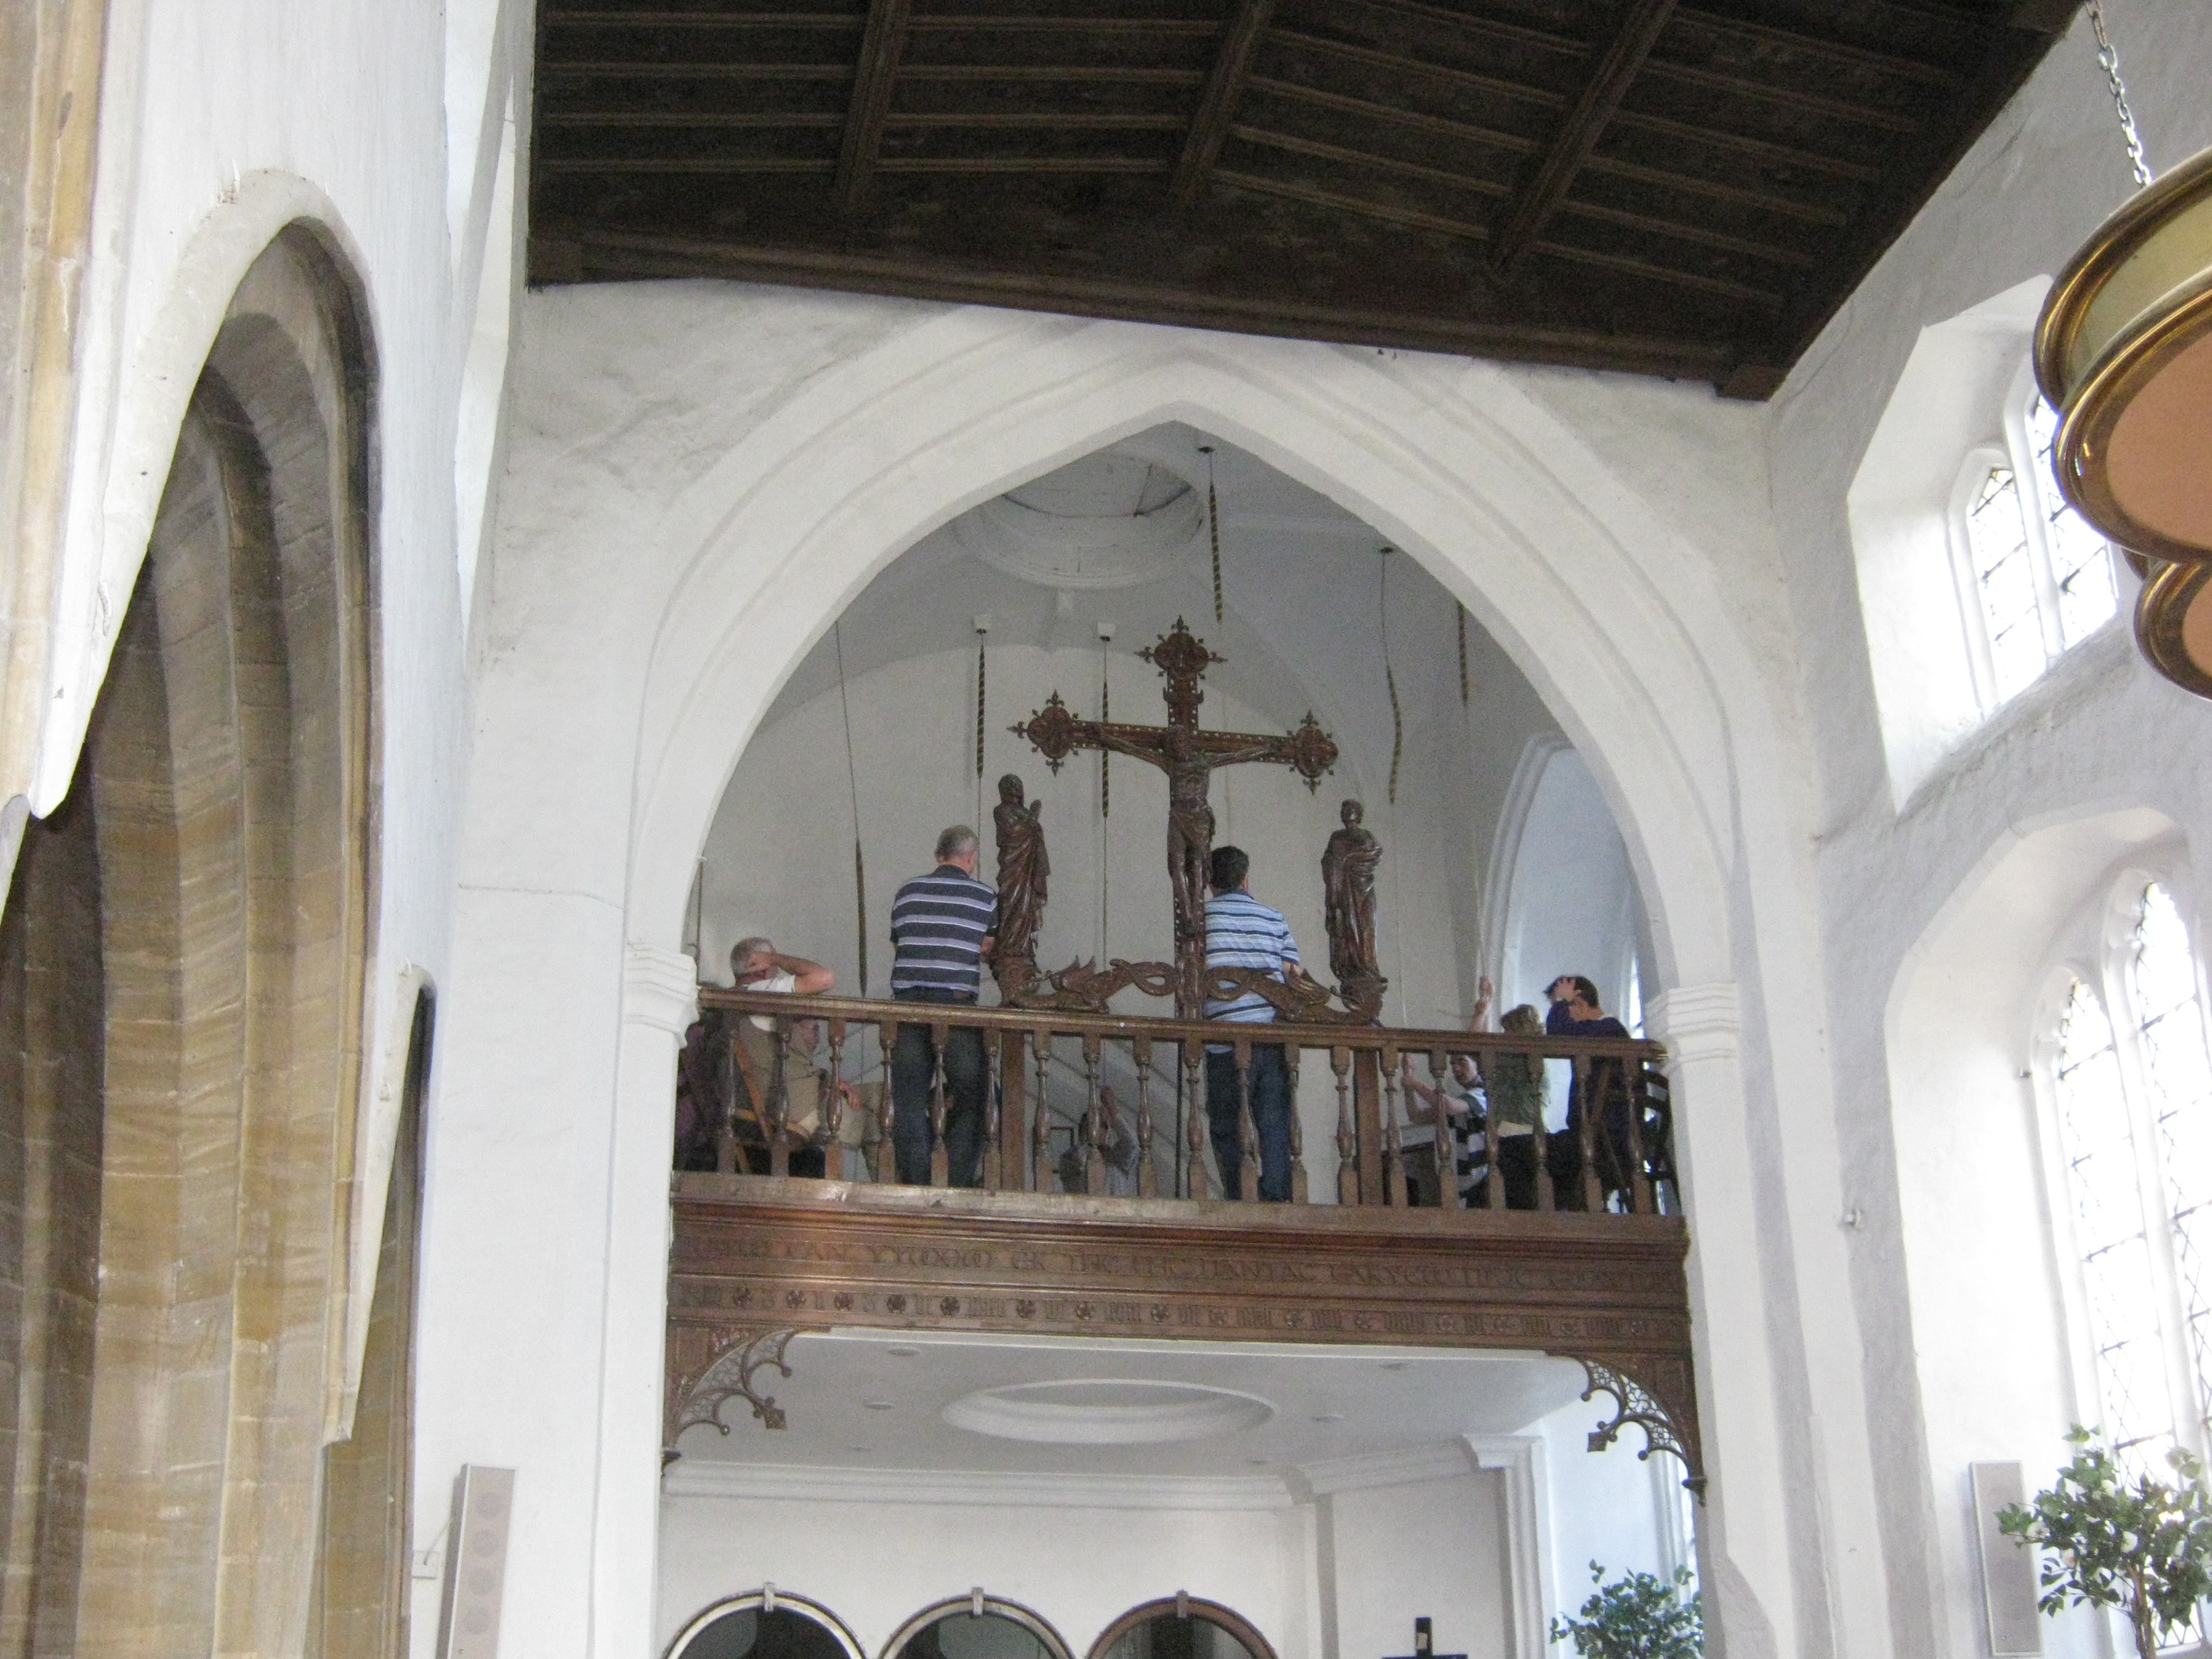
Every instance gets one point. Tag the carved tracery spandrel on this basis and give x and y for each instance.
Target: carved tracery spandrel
(727, 1374)
(1634, 1403)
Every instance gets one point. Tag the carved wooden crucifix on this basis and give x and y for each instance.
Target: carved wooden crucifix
(1188, 754)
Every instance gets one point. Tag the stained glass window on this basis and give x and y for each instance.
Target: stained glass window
(2081, 560)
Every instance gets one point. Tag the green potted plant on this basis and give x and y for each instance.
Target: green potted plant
(1636, 1616)
(2144, 1547)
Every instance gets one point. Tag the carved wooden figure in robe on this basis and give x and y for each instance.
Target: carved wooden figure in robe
(1188, 754)
(1024, 874)
(1348, 875)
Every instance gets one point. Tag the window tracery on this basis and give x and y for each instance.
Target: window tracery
(2133, 1104)
(2038, 580)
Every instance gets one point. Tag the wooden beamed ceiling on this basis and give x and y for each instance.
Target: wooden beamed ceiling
(1679, 187)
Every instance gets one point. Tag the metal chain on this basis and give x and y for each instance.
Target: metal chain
(1213, 527)
(2110, 59)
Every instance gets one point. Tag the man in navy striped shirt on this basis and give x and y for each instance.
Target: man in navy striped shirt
(1242, 932)
(941, 931)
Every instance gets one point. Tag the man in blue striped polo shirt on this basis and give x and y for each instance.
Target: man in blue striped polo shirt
(941, 931)
(1242, 932)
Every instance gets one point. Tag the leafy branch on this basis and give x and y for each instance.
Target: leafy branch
(2144, 1547)
(1636, 1616)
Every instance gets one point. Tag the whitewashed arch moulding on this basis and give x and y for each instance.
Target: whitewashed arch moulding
(1615, 622)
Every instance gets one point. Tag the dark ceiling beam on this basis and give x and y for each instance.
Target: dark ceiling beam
(1812, 46)
(1495, 28)
(1413, 218)
(1128, 74)
(558, 18)
(1003, 23)
(626, 70)
(1294, 145)
(1765, 149)
(561, 254)
(1439, 125)
(1712, 190)
(699, 120)
(1809, 103)
(1225, 85)
(704, 166)
(1028, 119)
(882, 45)
(1546, 184)
(1652, 226)
(1398, 64)
(973, 164)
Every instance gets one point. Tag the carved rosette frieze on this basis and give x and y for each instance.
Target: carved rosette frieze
(709, 1368)
(754, 1257)
(1665, 1411)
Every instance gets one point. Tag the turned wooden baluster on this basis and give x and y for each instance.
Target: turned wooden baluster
(1193, 1089)
(1040, 1119)
(726, 1134)
(1347, 1142)
(1148, 1179)
(1547, 1191)
(1298, 1194)
(1492, 1133)
(1248, 1124)
(833, 1106)
(1091, 1130)
(994, 1159)
(778, 1082)
(1394, 1161)
(940, 1156)
(1641, 1200)
(1586, 1131)
(1447, 1148)
(886, 1106)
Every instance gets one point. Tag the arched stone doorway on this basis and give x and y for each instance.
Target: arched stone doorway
(179, 1077)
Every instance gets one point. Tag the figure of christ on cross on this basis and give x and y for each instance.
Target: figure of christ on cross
(1188, 754)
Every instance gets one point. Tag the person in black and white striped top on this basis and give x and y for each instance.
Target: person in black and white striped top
(1242, 932)
(941, 933)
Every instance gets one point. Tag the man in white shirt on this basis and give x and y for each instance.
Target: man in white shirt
(770, 1077)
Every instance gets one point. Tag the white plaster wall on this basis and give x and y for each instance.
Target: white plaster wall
(2101, 734)
(1433, 1549)
(877, 1564)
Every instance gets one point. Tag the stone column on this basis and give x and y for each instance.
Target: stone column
(1743, 1530)
(660, 1000)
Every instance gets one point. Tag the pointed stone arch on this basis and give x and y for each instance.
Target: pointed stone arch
(223, 828)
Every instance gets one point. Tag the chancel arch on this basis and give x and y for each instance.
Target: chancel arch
(1515, 517)
(199, 907)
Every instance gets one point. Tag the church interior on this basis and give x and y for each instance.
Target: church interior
(1666, 534)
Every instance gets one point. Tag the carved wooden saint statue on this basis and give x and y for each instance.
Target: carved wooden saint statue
(1347, 876)
(1188, 756)
(1024, 872)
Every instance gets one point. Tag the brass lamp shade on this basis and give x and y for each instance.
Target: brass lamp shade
(2123, 352)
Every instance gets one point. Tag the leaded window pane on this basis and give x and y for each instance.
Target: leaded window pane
(2179, 1071)
(2080, 559)
(1996, 532)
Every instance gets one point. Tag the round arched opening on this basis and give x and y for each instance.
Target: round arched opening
(975, 1626)
(1182, 1627)
(765, 1624)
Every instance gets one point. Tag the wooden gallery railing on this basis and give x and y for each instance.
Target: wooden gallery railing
(1049, 1072)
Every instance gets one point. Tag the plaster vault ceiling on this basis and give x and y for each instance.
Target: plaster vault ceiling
(1656, 186)
(915, 1402)
(1303, 586)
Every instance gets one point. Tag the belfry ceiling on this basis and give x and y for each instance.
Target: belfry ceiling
(1654, 186)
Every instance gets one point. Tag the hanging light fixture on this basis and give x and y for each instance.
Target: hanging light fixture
(2124, 353)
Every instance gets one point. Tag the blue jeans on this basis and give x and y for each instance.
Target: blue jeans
(1268, 1087)
(967, 1078)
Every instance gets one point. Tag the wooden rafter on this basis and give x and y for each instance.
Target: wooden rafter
(1546, 184)
(1225, 84)
(881, 47)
